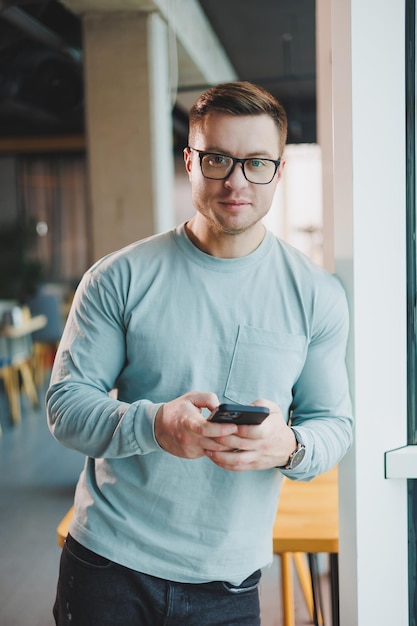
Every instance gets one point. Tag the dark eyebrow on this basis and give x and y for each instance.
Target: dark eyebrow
(255, 155)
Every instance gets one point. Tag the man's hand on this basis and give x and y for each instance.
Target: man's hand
(259, 447)
(181, 430)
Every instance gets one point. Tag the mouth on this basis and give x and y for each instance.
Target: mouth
(233, 204)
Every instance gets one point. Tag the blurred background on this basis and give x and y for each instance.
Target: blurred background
(94, 97)
(48, 183)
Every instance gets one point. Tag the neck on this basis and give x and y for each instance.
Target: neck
(224, 245)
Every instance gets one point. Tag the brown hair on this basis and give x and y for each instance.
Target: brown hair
(240, 98)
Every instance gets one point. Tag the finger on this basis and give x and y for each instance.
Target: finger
(216, 430)
(252, 432)
(235, 461)
(268, 403)
(236, 442)
(203, 399)
(212, 445)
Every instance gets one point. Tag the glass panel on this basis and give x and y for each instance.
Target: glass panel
(411, 220)
(411, 295)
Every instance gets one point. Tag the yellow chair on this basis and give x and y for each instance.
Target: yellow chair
(21, 355)
(16, 353)
(11, 382)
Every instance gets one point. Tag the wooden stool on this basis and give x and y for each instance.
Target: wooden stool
(11, 386)
(307, 521)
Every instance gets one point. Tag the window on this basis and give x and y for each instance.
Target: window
(411, 295)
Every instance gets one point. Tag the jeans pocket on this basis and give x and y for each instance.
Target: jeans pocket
(249, 584)
(84, 555)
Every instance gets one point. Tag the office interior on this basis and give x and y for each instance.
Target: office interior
(161, 55)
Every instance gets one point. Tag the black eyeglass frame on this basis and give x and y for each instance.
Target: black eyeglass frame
(235, 160)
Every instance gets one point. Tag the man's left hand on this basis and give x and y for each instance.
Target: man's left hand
(257, 447)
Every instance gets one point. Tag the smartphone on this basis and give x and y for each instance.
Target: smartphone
(239, 414)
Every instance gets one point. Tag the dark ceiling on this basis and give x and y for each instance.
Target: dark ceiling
(270, 42)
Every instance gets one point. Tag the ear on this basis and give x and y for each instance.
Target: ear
(281, 170)
(187, 160)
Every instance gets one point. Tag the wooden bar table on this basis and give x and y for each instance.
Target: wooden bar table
(307, 521)
(62, 529)
(27, 327)
(18, 347)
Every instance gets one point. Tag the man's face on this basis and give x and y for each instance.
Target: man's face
(234, 205)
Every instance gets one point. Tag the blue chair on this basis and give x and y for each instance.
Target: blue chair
(48, 301)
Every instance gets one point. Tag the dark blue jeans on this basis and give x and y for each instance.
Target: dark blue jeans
(93, 591)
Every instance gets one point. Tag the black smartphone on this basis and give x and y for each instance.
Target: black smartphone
(239, 414)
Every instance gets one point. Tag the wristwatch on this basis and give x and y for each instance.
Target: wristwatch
(297, 456)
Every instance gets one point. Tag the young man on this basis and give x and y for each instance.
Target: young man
(174, 513)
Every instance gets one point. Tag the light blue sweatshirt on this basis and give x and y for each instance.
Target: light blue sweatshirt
(161, 318)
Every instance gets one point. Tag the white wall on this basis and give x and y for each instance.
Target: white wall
(296, 214)
(368, 126)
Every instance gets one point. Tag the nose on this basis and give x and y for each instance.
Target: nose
(236, 177)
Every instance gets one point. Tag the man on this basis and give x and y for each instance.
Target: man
(174, 513)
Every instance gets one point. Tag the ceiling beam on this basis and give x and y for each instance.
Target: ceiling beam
(39, 32)
(50, 143)
(200, 56)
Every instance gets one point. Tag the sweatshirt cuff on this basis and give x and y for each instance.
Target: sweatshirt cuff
(144, 426)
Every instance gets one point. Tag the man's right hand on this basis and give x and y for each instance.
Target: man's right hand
(181, 430)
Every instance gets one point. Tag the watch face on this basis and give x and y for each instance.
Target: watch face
(297, 457)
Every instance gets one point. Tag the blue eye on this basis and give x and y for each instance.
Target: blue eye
(257, 163)
(217, 160)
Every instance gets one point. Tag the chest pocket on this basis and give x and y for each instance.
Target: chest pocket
(265, 364)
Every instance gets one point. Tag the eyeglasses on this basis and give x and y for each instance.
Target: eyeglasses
(220, 166)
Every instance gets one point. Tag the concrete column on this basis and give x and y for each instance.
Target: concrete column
(128, 121)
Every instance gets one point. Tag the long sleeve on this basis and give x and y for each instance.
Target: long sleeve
(90, 358)
(321, 408)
